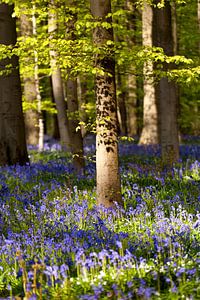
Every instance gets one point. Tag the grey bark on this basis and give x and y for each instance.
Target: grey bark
(107, 163)
(74, 119)
(12, 129)
(82, 99)
(149, 133)
(73, 106)
(57, 84)
(131, 102)
(37, 87)
(166, 91)
(122, 104)
(30, 93)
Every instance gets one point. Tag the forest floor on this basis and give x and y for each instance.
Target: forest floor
(55, 243)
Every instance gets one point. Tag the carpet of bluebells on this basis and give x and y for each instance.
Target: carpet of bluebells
(55, 243)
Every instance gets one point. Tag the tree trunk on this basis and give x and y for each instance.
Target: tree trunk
(30, 94)
(174, 27)
(122, 104)
(57, 84)
(166, 91)
(131, 103)
(149, 133)
(37, 87)
(74, 119)
(72, 105)
(107, 163)
(12, 129)
(121, 86)
(82, 99)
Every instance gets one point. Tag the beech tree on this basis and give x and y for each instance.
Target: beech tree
(131, 102)
(30, 91)
(107, 164)
(149, 133)
(166, 92)
(57, 83)
(12, 129)
(72, 103)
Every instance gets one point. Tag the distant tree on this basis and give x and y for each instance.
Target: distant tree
(121, 101)
(37, 85)
(29, 88)
(166, 91)
(82, 96)
(12, 129)
(107, 163)
(121, 83)
(57, 83)
(149, 133)
(131, 101)
(72, 101)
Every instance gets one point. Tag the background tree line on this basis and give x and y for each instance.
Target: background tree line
(110, 67)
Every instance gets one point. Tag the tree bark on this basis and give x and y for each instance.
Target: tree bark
(37, 87)
(57, 84)
(82, 99)
(131, 102)
(74, 119)
(149, 133)
(12, 129)
(73, 106)
(30, 94)
(121, 104)
(166, 91)
(107, 163)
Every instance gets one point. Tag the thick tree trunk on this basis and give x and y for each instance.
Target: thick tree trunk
(12, 129)
(30, 93)
(150, 116)
(57, 84)
(166, 91)
(107, 164)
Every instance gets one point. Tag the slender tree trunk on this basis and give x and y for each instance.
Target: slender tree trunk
(74, 119)
(121, 91)
(72, 105)
(12, 129)
(174, 27)
(55, 127)
(166, 91)
(37, 87)
(122, 104)
(131, 103)
(82, 99)
(30, 95)
(107, 163)
(150, 116)
(57, 84)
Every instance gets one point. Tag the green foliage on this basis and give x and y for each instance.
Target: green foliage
(75, 56)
